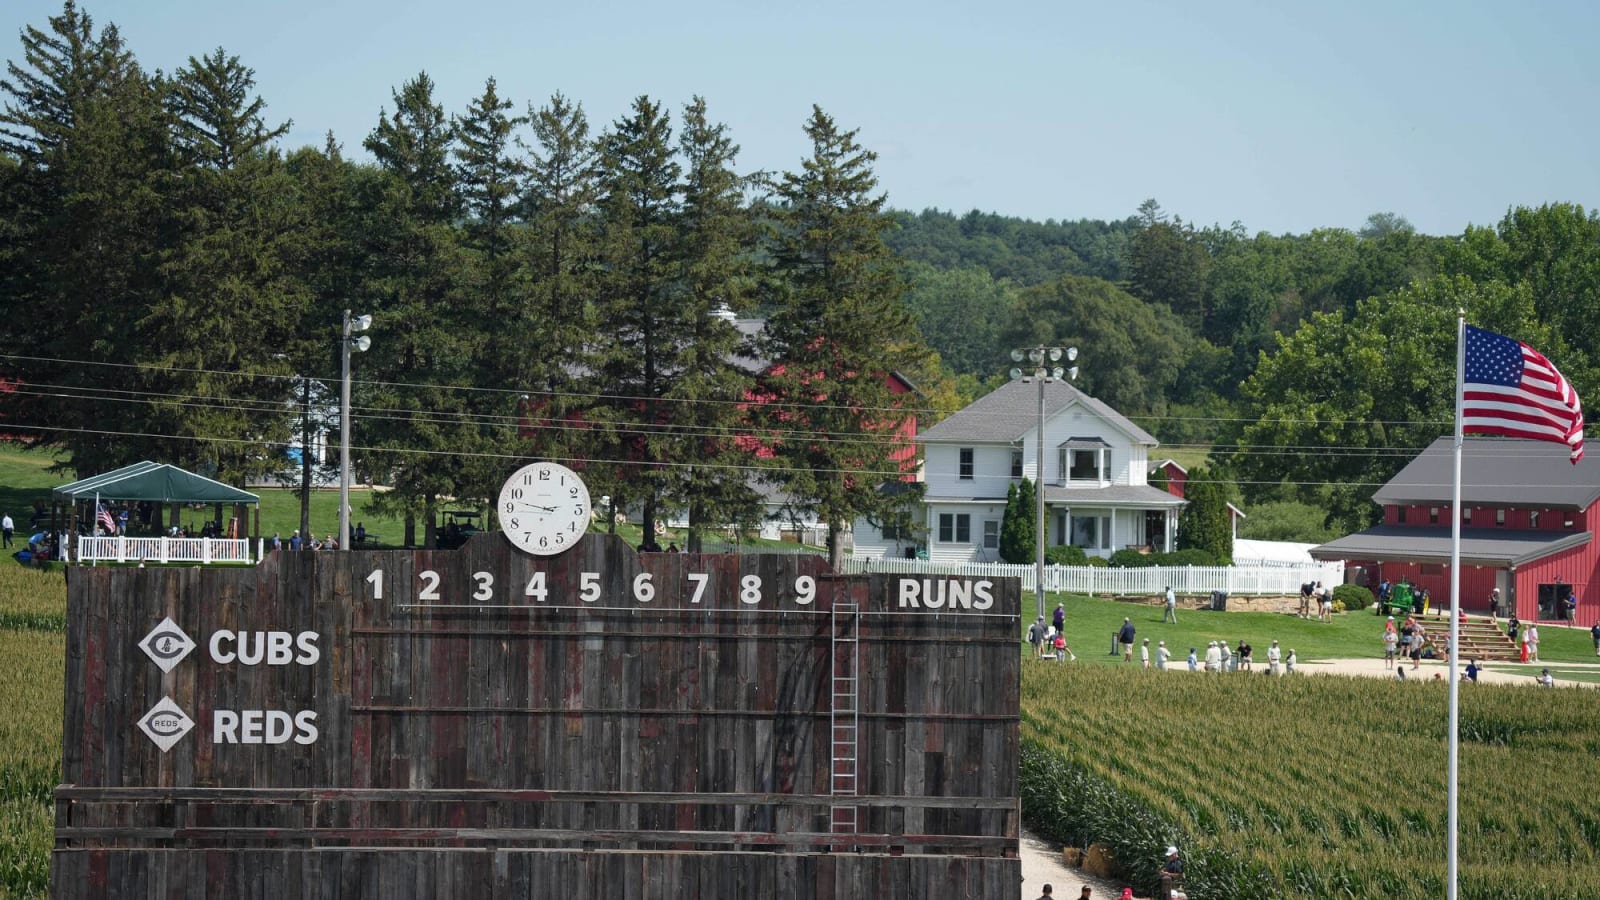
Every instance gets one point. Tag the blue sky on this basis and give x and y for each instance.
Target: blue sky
(1282, 116)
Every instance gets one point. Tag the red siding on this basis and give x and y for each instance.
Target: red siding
(1578, 567)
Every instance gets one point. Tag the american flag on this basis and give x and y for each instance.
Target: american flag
(1512, 390)
(106, 519)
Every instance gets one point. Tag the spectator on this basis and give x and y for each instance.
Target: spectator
(1305, 598)
(1391, 640)
(1288, 663)
(1244, 655)
(1059, 618)
(1171, 873)
(277, 542)
(7, 528)
(1594, 632)
(1227, 656)
(360, 536)
(1274, 656)
(1162, 655)
(1327, 606)
(1063, 652)
(1172, 607)
(1125, 637)
(1546, 679)
(1213, 657)
(1472, 671)
(1048, 893)
(1144, 653)
(1532, 636)
(294, 541)
(1194, 661)
(1036, 633)
(672, 547)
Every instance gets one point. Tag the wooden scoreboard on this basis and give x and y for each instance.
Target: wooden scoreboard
(489, 723)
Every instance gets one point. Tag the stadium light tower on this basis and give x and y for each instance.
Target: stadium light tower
(1042, 367)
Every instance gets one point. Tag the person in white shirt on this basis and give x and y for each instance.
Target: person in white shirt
(1546, 679)
(1274, 655)
(6, 528)
(1533, 642)
(1162, 655)
(1213, 657)
(1144, 653)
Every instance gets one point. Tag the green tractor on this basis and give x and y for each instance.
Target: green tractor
(1404, 600)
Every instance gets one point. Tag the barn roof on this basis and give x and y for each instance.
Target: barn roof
(1479, 546)
(1497, 472)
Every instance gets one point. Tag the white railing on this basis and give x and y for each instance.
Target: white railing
(125, 549)
(1148, 581)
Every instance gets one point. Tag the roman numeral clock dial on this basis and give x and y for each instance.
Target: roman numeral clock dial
(544, 508)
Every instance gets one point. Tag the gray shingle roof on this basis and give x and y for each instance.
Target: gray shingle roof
(1012, 410)
(1479, 546)
(1498, 472)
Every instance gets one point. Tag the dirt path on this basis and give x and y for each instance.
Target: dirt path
(1041, 865)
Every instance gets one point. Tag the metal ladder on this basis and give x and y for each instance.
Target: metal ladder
(843, 717)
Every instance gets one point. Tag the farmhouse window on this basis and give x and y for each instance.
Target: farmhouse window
(1016, 464)
(991, 534)
(966, 464)
(955, 528)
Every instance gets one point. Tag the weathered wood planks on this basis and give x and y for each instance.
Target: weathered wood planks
(487, 721)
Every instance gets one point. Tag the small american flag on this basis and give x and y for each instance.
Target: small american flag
(107, 520)
(1512, 390)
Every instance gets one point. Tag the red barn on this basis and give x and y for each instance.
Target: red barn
(1528, 518)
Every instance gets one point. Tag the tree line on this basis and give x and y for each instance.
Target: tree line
(539, 287)
(1314, 366)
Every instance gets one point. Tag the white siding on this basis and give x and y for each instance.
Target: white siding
(991, 470)
(963, 551)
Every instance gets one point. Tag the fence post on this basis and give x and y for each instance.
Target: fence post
(165, 554)
(205, 551)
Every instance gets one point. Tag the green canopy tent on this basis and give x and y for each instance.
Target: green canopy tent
(155, 483)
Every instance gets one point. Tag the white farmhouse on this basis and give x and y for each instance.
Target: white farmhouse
(1093, 470)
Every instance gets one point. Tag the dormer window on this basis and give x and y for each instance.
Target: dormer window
(1083, 460)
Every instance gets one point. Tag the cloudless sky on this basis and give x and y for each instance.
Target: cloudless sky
(1282, 116)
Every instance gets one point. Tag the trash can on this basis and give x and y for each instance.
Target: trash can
(1219, 601)
(1114, 650)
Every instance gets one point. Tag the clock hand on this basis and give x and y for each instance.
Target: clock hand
(536, 506)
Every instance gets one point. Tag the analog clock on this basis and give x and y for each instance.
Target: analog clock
(544, 508)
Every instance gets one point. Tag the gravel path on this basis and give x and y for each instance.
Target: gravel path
(1041, 865)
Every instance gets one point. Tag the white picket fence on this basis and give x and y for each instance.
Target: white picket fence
(1151, 581)
(125, 549)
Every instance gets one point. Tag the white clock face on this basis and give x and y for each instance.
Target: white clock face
(544, 508)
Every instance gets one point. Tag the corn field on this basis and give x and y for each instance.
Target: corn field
(1316, 787)
(33, 651)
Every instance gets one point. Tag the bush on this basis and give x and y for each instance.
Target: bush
(1351, 597)
(1133, 559)
(1066, 556)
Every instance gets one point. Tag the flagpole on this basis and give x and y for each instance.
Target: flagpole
(1455, 610)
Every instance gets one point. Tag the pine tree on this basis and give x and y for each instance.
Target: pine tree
(491, 173)
(560, 265)
(236, 218)
(705, 418)
(838, 332)
(216, 121)
(1018, 543)
(1203, 524)
(90, 134)
(425, 332)
(642, 324)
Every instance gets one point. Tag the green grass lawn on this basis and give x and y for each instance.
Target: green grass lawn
(1091, 622)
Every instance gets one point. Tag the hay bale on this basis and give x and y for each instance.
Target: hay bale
(1099, 862)
(1071, 857)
